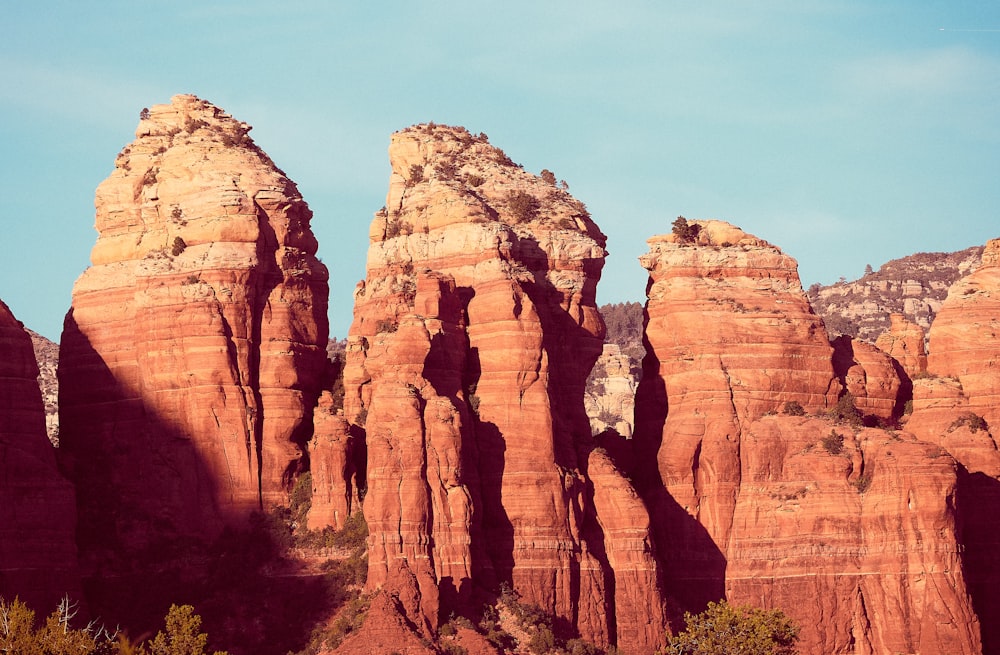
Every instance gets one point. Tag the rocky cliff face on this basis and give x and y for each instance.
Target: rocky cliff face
(191, 358)
(474, 333)
(957, 405)
(904, 342)
(37, 509)
(852, 532)
(47, 356)
(610, 398)
(914, 286)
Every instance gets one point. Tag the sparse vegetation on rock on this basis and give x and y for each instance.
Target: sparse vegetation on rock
(725, 629)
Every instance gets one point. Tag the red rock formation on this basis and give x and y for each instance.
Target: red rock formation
(37, 508)
(904, 342)
(963, 339)
(733, 338)
(870, 376)
(191, 357)
(958, 407)
(853, 535)
(473, 336)
(858, 542)
(332, 454)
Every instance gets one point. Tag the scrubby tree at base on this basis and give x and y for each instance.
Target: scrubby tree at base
(725, 629)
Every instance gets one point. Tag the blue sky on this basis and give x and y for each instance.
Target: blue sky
(847, 133)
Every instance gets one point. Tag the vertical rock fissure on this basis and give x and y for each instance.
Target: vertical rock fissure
(264, 279)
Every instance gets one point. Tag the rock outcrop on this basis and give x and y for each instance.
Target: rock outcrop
(38, 557)
(904, 342)
(610, 398)
(850, 531)
(957, 405)
(47, 356)
(192, 355)
(337, 476)
(474, 333)
(871, 377)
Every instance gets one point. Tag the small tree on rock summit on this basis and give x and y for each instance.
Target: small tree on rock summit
(686, 232)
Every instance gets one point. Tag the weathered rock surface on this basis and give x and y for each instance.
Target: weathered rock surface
(904, 342)
(333, 455)
(191, 357)
(474, 333)
(859, 541)
(964, 340)
(852, 534)
(870, 376)
(47, 356)
(610, 396)
(733, 339)
(958, 407)
(38, 557)
(914, 286)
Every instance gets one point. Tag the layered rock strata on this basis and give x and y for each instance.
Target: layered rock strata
(474, 333)
(957, 405)
(904, 342)
(871, 377)
(851, 532)
(337, 477)
(38, 556)
(192, 355)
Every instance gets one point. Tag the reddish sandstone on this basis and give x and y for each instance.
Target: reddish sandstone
(904, 342)
(474, 333)
(191, 357)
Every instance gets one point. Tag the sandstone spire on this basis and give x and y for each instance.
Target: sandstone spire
(474, 333)
(191, 357)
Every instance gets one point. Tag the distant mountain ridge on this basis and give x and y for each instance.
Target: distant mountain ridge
(914, 286)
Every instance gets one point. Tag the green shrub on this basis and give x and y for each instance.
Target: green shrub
(178, 246)
(685, 232)
(722, 629)
(416, 175)
(863, 482)
(523, 206)
(793, 408)
(845, 411)
(974, 422)
(182, 636)
(833, 443)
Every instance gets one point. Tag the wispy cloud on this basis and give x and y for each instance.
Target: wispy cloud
(924, 73)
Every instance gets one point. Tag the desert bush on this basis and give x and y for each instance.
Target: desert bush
(416, 175)
(863, 482)
(385, 326)
(523, 206)
(548, 176)
(845, 411)
(446, 170)
(686, 232)
(725, 628)
(794, 408)
(974, 422)
(192, 124)
(178, 246)
(474, 180)
(833, 443)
